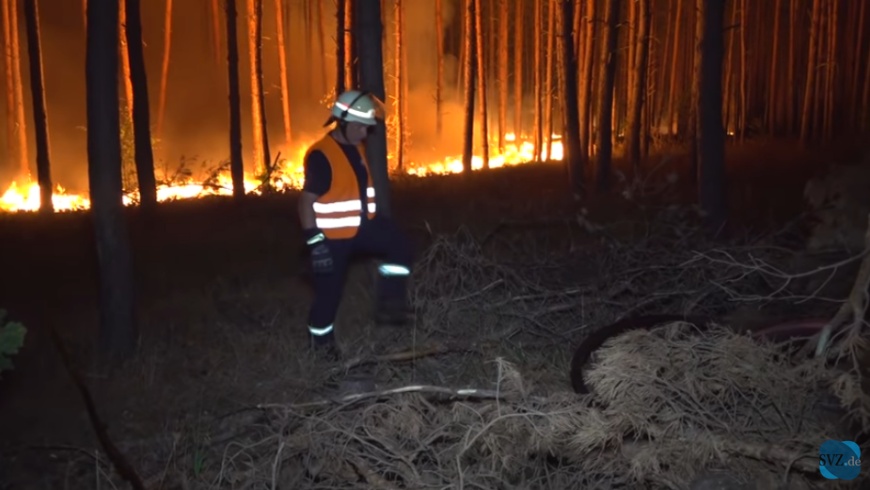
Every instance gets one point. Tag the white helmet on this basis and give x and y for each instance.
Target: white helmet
(357, 106)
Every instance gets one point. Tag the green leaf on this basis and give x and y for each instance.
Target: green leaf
(11, 339)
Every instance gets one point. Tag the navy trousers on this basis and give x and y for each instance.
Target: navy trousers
(377, 238)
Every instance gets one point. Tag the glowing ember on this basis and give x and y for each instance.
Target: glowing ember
(25, 196)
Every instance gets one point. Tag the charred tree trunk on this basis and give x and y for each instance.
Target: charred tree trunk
(214, 16)
(256, 94)
(141, 108)
(810, 84)
(519, 34)
(261, 94)
(126, 80)
(480, 56)
(538, 93)
(638, 89)
(401, 100)
(469, 51)
(351, 61)
(282, 67)
(237, 165)
(503, 63)
(571, 131)
(744, 26)
(340, 62)
(368, 32)
(13, 152)
(549, 94)
(15, 96)
(40, 117)
(118, 329)
(164, 75)
(711, 133)
(605, 94)
(439, 53)
(586, 86)
(791, 105)
(695, 91)
(772, 99)
(20, 119)
(673, 101)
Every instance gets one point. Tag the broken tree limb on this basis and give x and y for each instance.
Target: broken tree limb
(856, 304)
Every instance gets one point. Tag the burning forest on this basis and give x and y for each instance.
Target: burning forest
(434, 244)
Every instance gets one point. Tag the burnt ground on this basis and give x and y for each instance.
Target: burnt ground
(222, 299)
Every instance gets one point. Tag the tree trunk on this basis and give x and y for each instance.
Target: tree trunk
(126, 80)
(439, 53)
(503, 63)
(368, 31)
(401, 100)
(340, 62)
(164, 75)
(256, 97)
(20, 119)
(695, 92)
(141, 108)
(214, 16)
(549, 94)
(791, 105)
(712, 134)
(481, 81)
(675, 58)
(40, 117)
(586, 86)
(744, 26)
(538, 92)
(261, 93)
(13, 153)
(772, 99)
(810, 85)
(237, 165)
(469, 52)
(857, 115)
(571, 131)
(519, 34)
(118, 329)
(831, 76)
(605, 94)
(321, 36)
(638, 90)
(351, 61)
(282, 66)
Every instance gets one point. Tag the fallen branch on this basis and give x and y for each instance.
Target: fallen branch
(855, 306)
(356, 397)
(402, 356)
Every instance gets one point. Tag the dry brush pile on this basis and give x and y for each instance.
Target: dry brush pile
(498, 315)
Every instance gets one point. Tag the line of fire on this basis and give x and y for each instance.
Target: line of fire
(453, 244)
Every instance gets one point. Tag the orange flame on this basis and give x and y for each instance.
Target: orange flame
(22, 197)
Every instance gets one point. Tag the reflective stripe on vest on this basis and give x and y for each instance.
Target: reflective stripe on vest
(338, 212)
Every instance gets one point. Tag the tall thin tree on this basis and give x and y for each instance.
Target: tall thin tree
(237, 166)
(368, 30)
(607, 62)
(480, 56)
(141, 112)
(118, 328)
(571, 129)
(469, 74)
(712, 135)
(40, 115)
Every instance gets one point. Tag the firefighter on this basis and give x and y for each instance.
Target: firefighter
(340, 220)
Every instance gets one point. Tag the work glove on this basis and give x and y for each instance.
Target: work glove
(321, 256)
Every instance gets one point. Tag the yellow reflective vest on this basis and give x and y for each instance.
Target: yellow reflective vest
(338, 212)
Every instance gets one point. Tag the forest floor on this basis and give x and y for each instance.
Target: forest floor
(222, 303)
